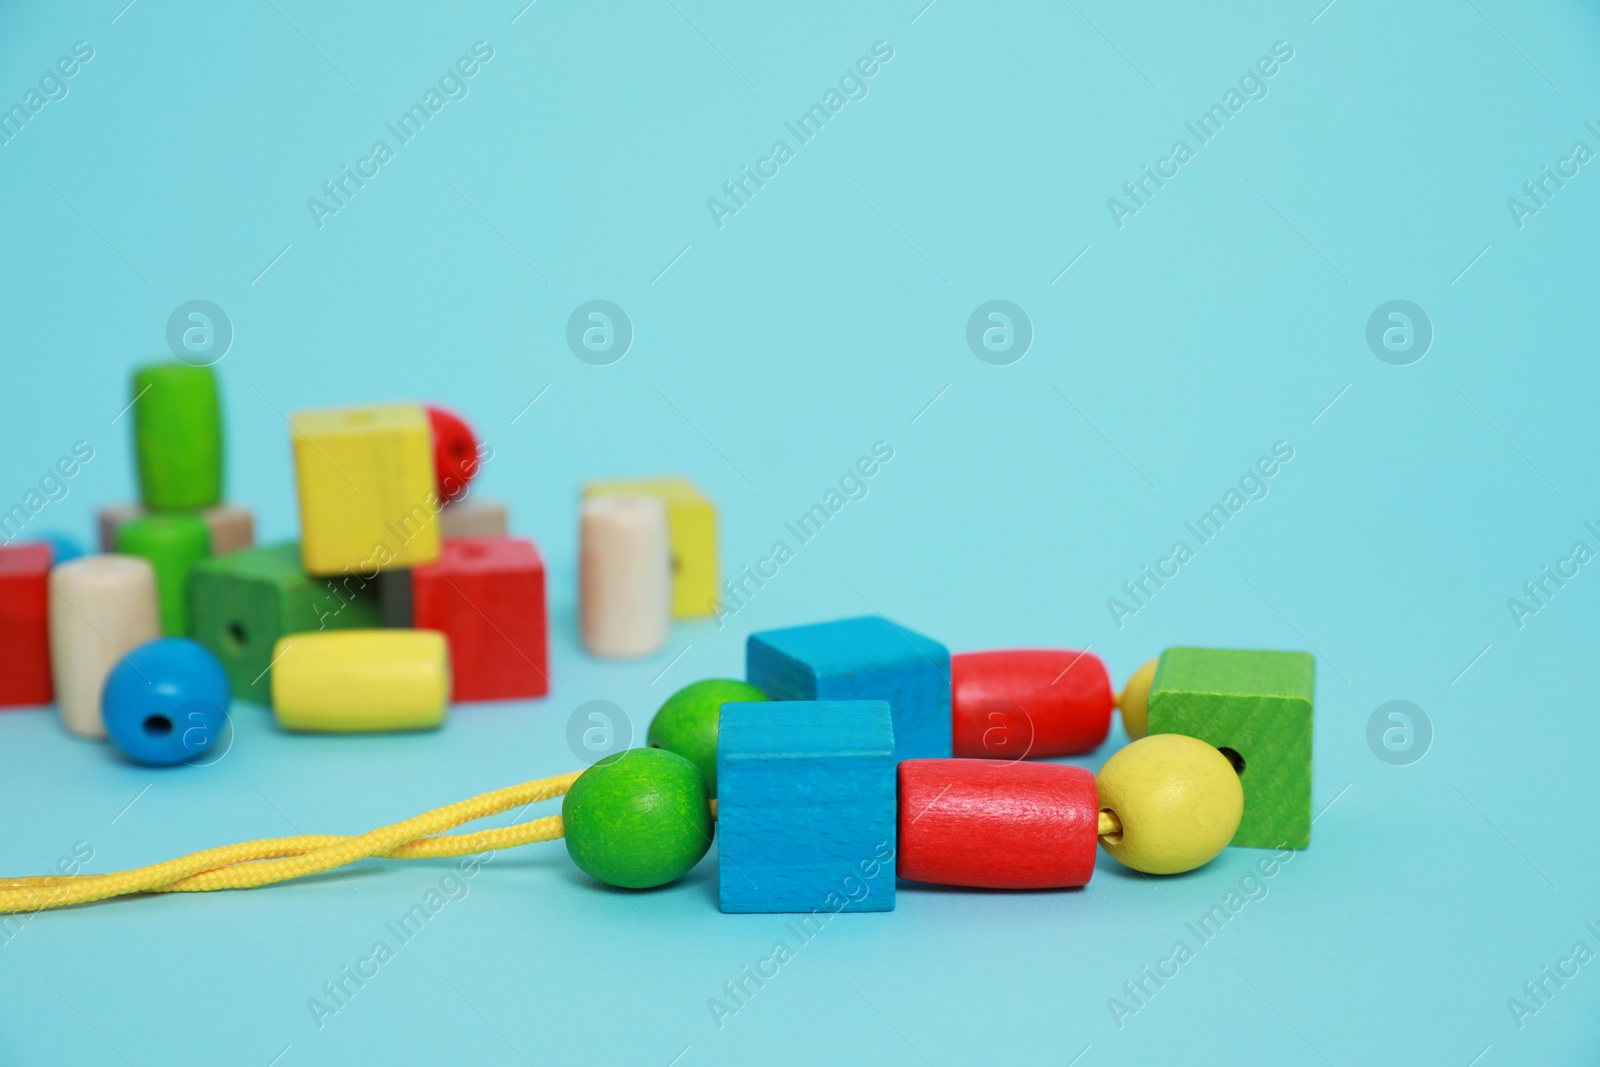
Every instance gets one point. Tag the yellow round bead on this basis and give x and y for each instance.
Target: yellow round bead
(1177, 800)
(1135, 701)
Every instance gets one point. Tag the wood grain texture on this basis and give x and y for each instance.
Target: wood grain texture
(1258, 704)
(1016, 703)
(487, 595)
(365, 482)
(100, 608)
(806, 806)
(997, 824)
(25, 625)
(865, 658)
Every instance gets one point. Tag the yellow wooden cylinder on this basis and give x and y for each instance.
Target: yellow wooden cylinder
(1176, 803)
(1135, 701)
(361, 681)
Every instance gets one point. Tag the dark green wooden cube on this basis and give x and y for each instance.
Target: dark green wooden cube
(241, 603)
(1258, 706)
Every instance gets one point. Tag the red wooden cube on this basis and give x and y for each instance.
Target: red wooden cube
(25, 625)
(487, 595)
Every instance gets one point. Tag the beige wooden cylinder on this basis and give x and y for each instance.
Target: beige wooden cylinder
(101, 607)
(624, 575)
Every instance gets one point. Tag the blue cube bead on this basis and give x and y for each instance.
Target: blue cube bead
(165, 702)
(806, 807)
(866, 658)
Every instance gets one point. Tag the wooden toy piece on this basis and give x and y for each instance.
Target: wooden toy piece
(806, 806)
(692, 520)
(232, 528)
(1028, 703)
(687, 722)
(997, 824)
(486, 594)
(365, 478)
(474, 517)
(361, 681)
(25, 624)
(624, 584)
(455, 452)
(165, 702)
(242, 603)
(177, 434)
(1135, 701)
(866, 658)
(637, 819)
(173, 542)
(100, 607)
(394, 597)
(1172, 804)
(109, 520)
(1256, 707)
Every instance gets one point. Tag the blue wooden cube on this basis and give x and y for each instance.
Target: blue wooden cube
(867, 658)
(806, 806)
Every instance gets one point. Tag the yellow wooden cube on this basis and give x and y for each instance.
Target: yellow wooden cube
(367, 495)
(692, 523)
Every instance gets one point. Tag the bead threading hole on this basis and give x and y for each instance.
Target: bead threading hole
(235, 635)
(1110, 827)
(1234, 758)
(158, 726)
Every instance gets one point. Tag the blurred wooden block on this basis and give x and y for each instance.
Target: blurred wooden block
(232, 527)
(177, 435)
(474, 517)
(242, 603)
(25, 625)
(173, 542)
(361, 681)
(365, 479)
(100, 608)
(624, 575)
(109, 520)
(692, 520)
(486, 594)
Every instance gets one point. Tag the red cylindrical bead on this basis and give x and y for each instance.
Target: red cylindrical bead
(997, 824)
(455, 452)
(1028, 702)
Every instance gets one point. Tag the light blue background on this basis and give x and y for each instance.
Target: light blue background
(826, 315)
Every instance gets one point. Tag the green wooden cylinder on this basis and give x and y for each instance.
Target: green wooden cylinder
(177, 435)
(173, 543)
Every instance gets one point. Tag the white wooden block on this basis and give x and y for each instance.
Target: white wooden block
(624, 575)
(100, 608)
(232, 527)
(474, 517)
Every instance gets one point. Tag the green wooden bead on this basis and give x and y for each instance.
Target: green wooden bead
(638, 819)
(687, 722)
(177, 435)
(173, 543)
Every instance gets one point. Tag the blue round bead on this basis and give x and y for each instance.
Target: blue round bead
(63, 547)
(165, 702)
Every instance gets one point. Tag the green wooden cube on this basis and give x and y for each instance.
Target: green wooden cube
(1258, 706)
(241, 603)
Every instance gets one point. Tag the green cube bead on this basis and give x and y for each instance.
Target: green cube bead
(177, 435)
(241, 603)
(173, 542)
(1258, 704)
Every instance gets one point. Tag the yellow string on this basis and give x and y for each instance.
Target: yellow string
(278, 859)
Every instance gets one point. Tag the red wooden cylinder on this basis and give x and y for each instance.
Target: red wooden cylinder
(455, 452)
(997, 824)
(1014, 704)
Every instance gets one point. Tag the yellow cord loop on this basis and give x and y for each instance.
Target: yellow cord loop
(278, 859)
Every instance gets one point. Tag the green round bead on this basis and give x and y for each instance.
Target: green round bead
(687, 722)
(638, 819)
